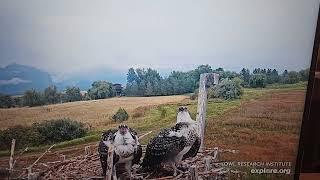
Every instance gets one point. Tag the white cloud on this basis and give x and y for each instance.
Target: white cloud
(14, 81)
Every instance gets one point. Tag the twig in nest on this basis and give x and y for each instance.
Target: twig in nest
(140, 137)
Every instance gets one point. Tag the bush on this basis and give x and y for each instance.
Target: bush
(25, 136)
(60, 130)
(48, 132)
(121, 115)
(226, 89)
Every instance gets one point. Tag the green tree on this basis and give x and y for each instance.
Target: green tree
(143, 82)
(245, 75)
(149, 90)
(51, 95)
(132, 76)
(275, 76)
(227, 89)
(202, 69)
(73, 94)
(304, 75)
(32, 98)
(293, 77)
(258, 81)
(290, 77)
(6, 101)
(101, 90)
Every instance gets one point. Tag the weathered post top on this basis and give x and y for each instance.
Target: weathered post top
(206, 80)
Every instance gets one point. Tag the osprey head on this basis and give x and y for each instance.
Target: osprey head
(183, 115)
(183, 108)
(123, 129)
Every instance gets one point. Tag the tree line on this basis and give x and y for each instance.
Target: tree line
(148, 82)
(51, 95)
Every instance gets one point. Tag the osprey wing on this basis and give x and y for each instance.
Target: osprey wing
(138, 152)
(194, 149)
(107, 137)
(137, 155)
(162, 148)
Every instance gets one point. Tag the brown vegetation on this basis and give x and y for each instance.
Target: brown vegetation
(266, 129)
(97, 112)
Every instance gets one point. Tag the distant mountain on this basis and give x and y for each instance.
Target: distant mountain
(15, 79)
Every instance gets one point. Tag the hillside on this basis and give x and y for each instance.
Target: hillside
(15, 79)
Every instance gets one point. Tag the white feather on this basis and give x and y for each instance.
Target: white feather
(184, 116)
(124, 145)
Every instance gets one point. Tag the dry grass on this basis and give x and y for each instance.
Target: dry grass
(97, 113)
(265, 129)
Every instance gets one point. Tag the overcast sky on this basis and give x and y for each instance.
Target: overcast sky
(75, 36)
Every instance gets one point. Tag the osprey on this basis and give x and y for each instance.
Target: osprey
(127, 149)
(175, 144)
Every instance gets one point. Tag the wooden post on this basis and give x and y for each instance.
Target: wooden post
(29, 172)
(13, 144)
(110, 162)
(87, 151)
(193, 172)
(205, 80)
(207, 163)
(216, 154)
(63, 157)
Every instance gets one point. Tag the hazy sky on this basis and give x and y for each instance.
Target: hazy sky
(71, 36)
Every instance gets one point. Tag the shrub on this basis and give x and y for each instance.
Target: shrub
(226, 89)
(121, 115)
(60, 130)
(42, 133)
(25, 136)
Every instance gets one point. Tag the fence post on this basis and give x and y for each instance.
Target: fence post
(13, 144)
(206, 79)
(193, 172)
(110, 162)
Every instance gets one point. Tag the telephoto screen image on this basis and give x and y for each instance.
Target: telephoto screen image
(150, 89)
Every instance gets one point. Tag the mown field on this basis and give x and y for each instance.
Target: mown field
(263, 125)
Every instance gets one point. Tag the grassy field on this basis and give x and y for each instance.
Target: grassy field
(263, 125)
(97, 113)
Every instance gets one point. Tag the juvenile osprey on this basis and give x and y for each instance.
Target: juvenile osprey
(127, 149)
(175, 144)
